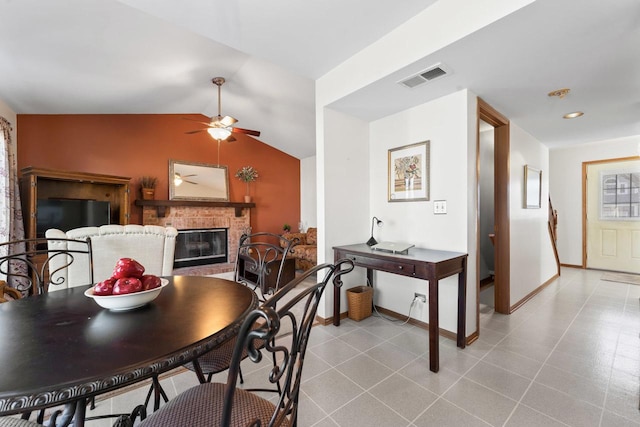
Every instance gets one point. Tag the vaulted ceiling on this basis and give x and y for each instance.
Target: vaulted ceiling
(159, 56)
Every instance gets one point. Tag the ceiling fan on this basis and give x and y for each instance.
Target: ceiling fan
(221, 127)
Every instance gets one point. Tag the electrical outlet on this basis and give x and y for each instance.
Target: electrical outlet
(420, 297)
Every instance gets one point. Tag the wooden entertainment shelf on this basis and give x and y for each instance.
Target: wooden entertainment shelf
(162, 205)
(41, 183)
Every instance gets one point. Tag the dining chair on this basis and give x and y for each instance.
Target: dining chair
(31, 266)
(261, 260)
(152, 246)
(280, 327)
(260, 263)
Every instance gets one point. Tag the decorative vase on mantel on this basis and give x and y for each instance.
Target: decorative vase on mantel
(148, 193)
(247, 174)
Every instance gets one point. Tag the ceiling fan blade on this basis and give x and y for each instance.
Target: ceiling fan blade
(246, 131)
(197, 121)
(230, 139)
(227, 121)
(190, 182)
(195, 131)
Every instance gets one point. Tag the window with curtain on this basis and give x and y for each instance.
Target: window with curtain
(11, 225)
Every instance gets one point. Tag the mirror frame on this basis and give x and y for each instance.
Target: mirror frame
(212, 179)
(532, 188)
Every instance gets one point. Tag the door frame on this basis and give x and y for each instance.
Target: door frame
(585, 166)
(502, 284)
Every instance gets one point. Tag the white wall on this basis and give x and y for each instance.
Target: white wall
(444, 122)
(532, 259)
(308, 192)
(566, 188)
(343, 192)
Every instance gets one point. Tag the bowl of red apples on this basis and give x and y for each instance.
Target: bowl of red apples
(127, 288)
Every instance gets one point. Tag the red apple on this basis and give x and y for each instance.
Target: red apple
(128, 267)
(105, 287)
(127, 285)
(149, 281)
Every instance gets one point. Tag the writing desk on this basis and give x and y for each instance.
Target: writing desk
(425, 264)
(62, 348)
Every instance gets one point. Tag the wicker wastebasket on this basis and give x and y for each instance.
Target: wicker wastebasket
(359, 301)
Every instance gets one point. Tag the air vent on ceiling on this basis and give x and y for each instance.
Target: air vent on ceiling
(434, 72)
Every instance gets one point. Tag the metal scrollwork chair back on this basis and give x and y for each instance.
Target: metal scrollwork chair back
(33, 265)
(260, 256)
(261, 259)
(279, 328)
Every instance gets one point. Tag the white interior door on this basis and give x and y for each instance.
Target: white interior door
(613, 216)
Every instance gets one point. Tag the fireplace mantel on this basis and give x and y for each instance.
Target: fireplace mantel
(161, 205)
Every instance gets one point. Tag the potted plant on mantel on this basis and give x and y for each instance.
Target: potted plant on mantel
(148, 187)
(247, 174)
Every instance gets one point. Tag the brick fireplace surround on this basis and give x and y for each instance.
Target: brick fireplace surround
(189, 217)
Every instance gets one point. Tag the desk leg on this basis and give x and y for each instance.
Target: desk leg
(462, 305)
(336, 306)
(434, 329)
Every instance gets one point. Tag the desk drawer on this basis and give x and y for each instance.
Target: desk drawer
(396, 267)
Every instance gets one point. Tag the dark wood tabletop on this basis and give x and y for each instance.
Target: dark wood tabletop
(60, 347)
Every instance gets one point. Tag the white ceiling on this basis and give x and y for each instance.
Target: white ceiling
(158, 56)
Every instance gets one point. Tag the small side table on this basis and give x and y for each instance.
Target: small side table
(288, 273)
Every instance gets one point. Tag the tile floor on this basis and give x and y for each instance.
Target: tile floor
(569, 357)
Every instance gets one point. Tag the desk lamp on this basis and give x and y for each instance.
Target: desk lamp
(373, 241)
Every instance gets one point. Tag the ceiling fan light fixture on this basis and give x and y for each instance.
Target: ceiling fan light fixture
(177, 179)
(219, 133)
(573, 115)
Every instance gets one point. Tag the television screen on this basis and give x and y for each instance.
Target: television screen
(66, 214)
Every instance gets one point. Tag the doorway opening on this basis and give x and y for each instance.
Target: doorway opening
(486, 215)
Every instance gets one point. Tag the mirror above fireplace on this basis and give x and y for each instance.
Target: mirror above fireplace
(198, 181)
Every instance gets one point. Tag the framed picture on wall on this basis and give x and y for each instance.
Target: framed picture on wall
(532, 188)
(409, 173)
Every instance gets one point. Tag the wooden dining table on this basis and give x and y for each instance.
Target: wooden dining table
(61, 348)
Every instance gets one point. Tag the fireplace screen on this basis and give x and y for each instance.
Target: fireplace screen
(201, 247)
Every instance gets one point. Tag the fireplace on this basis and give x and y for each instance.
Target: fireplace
(196, 217)
(201, 246)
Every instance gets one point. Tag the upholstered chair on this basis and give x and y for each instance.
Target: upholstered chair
(150, 245)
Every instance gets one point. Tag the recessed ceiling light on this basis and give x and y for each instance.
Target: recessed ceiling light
(573, 115)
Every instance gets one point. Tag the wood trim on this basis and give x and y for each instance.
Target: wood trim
(532, 294)
(571, 266)
(422, 325)
(501, 210)
(161, 205)
(555, 248)
(585, 166)
(584, 214)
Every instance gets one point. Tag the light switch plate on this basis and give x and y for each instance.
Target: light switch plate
(439, 207)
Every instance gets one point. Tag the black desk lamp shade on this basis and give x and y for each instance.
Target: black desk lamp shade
(371, 240)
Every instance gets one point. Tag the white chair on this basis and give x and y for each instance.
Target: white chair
(152, 246)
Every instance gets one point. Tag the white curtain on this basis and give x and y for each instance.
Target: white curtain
(11, 225)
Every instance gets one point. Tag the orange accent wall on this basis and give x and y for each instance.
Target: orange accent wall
(134, 145)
